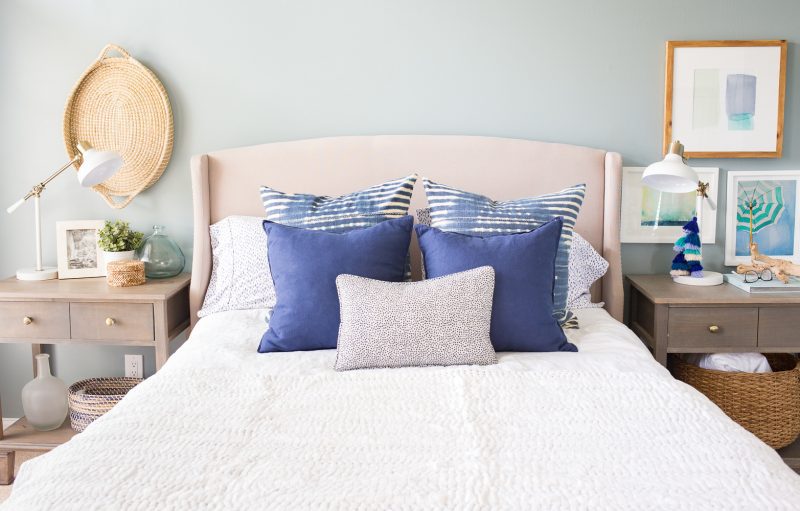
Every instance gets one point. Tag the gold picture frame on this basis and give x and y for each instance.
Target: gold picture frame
(720, 130)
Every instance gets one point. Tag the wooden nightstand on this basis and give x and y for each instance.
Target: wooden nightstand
(85, 311)
(674, 318)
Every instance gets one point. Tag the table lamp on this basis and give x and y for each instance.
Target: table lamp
(94, 168)
(673, 175)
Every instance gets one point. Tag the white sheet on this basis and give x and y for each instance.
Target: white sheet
(223, 427)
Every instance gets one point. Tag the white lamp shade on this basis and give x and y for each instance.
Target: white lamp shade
(671, 175)
(98, 166)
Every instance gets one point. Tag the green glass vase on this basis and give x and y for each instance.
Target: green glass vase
(161, 256)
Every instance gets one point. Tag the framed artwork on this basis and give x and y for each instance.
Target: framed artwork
(724, 99)
(769, 201)
(79, 254)
(650, 216)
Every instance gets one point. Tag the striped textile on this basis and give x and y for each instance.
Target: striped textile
(357, 210)
(469, 213)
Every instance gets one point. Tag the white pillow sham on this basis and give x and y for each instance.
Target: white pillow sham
(240, 275)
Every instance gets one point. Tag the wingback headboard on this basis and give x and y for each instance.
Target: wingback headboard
(226, 183)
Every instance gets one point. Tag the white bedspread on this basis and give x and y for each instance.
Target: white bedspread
(223, 427)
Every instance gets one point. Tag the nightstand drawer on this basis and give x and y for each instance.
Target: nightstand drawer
(112, 321)
(34, 320)
(700, 327)
(779, 327)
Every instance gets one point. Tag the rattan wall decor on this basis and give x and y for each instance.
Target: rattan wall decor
(119, 104)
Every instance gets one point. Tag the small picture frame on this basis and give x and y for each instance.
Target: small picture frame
(724, 99)
(650, 216)
(776, 219)
(79, 253)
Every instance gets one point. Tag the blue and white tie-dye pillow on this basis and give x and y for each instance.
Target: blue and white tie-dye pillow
(357, 210)
(469, 213)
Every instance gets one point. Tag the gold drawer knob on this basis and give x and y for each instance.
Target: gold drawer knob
(713, 329)
(27, 320)
(110, 322)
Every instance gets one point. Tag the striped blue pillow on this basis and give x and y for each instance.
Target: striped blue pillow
(357, 210)
(469, 213)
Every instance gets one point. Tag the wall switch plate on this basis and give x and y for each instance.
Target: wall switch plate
(134, 366)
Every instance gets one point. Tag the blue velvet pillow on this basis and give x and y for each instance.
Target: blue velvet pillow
(305, 264)
(524, 265)
(455, 210)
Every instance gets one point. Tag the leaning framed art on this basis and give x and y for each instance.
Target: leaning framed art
(724, 99)
(79, 253)
(650, 216)
(763, 205)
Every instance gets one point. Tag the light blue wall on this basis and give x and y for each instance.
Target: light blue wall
(239, 73)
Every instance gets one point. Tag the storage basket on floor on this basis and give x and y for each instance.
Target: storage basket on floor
(90, 399)
(766, 404)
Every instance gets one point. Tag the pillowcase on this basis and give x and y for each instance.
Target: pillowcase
(443, 321)
(240, 276)
(469, 213)
(305, 264)
(585, 267)
(524, 265)
(356, 210)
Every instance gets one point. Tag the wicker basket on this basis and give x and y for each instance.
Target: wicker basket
(90, 399)
(766, 404)
(118, 104)
(125, 273)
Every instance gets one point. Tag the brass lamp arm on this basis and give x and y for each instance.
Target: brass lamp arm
(39, 188)
(702, 193)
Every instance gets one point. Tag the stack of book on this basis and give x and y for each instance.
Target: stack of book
(773, 286)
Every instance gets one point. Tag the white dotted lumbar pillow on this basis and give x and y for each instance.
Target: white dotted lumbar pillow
(441, 321)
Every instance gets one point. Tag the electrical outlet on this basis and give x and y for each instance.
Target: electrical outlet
(134, 366)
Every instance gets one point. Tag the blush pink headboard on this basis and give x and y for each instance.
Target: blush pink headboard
(226, 183)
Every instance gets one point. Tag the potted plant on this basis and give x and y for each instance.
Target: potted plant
(118, 242)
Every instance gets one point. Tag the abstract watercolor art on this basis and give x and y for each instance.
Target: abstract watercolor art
(666, 209)
(724, 99)
(740, 101)
(650, 216)
(764, 203)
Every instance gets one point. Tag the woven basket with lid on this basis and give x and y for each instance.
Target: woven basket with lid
(766, 404)
(125, 273)
(118, 104)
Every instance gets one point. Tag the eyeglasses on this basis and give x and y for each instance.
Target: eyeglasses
(751, 276)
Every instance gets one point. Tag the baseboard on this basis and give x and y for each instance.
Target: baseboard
(7, 421)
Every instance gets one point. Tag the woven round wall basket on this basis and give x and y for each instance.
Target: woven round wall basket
(118, 104)
(91, 399)
(766, 404)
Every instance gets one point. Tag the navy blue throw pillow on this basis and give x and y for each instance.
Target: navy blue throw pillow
(305, 264)
(524, 265)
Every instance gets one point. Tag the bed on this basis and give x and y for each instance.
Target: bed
(223, 427)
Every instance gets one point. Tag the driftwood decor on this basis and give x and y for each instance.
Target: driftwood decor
(780, 268)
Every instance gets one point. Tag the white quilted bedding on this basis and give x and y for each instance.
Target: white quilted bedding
(223, 427)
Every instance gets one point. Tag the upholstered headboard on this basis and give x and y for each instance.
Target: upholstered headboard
(226, 183)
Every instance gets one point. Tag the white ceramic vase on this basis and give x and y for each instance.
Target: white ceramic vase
(44, 398)
(128, 255)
